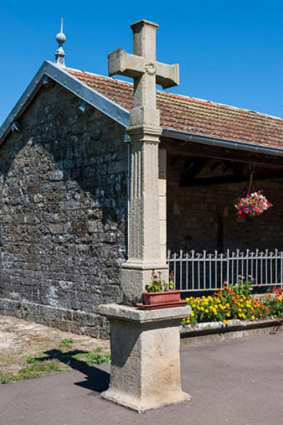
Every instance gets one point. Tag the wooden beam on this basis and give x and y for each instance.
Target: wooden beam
(215, 165)
(192, 169)
(259, 175)
(175, 159)
(229, 165)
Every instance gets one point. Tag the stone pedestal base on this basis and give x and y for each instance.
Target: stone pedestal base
(145, 367)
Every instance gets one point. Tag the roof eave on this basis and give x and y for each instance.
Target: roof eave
(65, 79)
(212, 141)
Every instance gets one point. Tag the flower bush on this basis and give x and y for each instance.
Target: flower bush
(234, 302)
(252, 205)
(158, 284)
(275, 305)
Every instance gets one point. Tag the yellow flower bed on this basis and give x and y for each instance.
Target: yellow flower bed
(228, 304)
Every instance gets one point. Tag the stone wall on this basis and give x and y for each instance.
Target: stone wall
(203, 217)
(63, 207)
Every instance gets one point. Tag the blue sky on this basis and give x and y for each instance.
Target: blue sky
(229, 51)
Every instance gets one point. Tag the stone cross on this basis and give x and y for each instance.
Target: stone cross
(136, 336)
(143, 67)
(147, 213)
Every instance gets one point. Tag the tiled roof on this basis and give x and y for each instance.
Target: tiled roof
(195, 116)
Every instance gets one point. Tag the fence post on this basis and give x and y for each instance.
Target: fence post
(228, 260)
(168, 262)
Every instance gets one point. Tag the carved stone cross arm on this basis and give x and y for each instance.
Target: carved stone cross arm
(167, 75)
(123, 63)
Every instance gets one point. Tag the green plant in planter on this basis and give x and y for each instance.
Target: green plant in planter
(158, 284)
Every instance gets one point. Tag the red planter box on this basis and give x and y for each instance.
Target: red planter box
(152, 298)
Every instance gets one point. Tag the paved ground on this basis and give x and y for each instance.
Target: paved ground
(239, 382)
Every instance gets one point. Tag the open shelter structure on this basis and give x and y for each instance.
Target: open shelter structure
(72, 210)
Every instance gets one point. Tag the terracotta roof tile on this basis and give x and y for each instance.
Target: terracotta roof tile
(195, 116)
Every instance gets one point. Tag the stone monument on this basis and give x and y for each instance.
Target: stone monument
(145, 369)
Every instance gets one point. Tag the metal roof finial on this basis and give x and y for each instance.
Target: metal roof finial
(60, 54)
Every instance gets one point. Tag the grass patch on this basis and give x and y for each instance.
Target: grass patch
(7, 359)
(30, 359)
(39, 368)
(93, 357)
(6, 378)
(66, 344)
(35, 370)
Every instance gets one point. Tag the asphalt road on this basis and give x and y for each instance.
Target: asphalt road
(238, 382)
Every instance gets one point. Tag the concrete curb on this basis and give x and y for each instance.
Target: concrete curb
(213, 331)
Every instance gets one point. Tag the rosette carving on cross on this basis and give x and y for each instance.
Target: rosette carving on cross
(146, 71)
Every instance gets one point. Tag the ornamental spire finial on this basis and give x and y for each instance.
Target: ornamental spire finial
(60, 54)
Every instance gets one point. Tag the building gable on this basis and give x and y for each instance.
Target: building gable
(65, 79)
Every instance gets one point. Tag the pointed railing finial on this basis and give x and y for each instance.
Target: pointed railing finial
(60, 54)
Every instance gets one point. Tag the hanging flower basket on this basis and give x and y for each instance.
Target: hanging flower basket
(252, 205)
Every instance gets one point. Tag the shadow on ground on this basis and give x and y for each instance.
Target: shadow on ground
(96, 379)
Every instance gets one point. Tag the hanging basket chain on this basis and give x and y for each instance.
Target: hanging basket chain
(251, 185)
(252, 170)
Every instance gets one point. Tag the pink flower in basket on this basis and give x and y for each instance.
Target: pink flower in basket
(252, 205)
